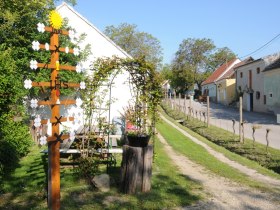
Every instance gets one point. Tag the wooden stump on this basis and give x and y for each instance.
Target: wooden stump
(136, 169)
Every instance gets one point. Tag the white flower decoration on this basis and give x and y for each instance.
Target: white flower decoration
(72, 136)
(35, 45)
(71, 34)
(47, 46)
(27, 83)
(37, 121)
(76, 51)
(43, 140)
(41, 27)
(79, 102)
(34, 103)
(67, 49)
(82, 85)
(77, 121)
(33, 64)
(58, 101)
(78, 68)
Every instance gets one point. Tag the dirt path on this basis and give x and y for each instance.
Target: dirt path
(223, 193)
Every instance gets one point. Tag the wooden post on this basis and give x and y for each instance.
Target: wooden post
(240, 118)
(53, 147)
(208, 111)
(136, 169)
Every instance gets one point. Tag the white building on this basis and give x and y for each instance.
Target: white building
(101, 46)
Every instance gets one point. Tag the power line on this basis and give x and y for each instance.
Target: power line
(266, 44)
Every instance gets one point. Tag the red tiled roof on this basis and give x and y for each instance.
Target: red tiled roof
(230, 72)
(218, 72)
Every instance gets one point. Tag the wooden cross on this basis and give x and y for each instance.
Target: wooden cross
(55, 140)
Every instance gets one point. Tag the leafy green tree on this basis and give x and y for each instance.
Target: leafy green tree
(220, 56)
(137, 44)
(194, 61)
(166, 73)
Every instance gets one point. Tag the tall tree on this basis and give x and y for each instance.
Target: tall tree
(194, 61)
(137, 44)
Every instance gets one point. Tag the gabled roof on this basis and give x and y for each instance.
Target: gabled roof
(274, 65)
(219, 72)
(93, 27)
(231, 71)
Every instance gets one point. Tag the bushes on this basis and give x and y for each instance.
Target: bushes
(15, 141)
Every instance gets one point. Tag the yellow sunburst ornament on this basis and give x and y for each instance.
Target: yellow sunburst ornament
(55, 19)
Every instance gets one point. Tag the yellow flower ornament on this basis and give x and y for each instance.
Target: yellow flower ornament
(55, 19)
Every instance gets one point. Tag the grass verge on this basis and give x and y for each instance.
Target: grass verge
(227, 140)
(198, 154)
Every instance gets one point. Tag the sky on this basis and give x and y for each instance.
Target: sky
(243, 26)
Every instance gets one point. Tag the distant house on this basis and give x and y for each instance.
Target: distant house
(101, 47)
(250, 83)
(209, 86)
(166, 88)
(226, 88)
(272, 86)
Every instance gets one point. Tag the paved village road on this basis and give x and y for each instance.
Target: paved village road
(222, 116)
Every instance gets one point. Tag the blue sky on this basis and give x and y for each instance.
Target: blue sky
(241, 25)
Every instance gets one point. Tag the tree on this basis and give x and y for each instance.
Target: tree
(220, 56)
(137, 44)
(166, 73)
(194, 61)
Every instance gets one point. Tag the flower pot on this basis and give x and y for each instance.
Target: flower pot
(138, 140)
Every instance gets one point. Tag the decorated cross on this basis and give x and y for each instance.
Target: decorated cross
(55, 84)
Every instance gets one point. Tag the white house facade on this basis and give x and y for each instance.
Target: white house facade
(100, 47)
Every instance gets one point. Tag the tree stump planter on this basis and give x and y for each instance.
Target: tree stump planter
(136, 169)
(138, 141)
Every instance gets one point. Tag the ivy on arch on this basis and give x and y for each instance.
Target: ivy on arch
(144, 79)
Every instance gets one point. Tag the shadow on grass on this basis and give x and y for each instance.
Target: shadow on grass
(166, 192)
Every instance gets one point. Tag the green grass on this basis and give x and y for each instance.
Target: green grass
(227, 140)
(25, 188)
(198, 154)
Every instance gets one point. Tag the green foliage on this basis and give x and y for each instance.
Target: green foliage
(135, 43)
(194, 61)
(145, 79)
(88, 167)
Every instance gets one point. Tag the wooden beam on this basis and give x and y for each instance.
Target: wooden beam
(55, 31)
(63, 102)
(63, 84)
(54, 138)
(60, 49)
(53, 66)
(54, 120)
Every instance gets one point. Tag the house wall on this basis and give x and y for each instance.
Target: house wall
(272, 90)
(212, 91)
(231, 94)
(101, 46)
(221, 91)
(242, 83)
(225, 91)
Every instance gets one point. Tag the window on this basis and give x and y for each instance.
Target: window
(264, 99)
(258, 95)
(270, 95)
(241, 74)
(258, 70)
